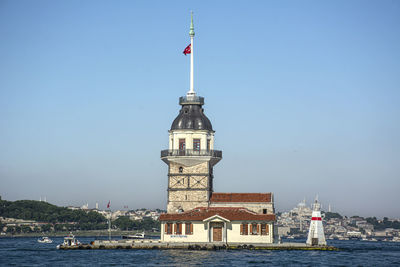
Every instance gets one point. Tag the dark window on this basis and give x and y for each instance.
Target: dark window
(264, 211)
(182, 144)
(182, 147)
(254, 229)
(180, 169)
(168, 228)
(189, 228)
(264, 229)
(178, 228)
(208, 144)
(196, 144)
(244, 229)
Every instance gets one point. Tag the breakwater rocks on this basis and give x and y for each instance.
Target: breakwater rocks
(156, 244)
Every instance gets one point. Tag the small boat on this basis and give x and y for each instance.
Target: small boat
(69, 241)
(45, 239)
(135, 236)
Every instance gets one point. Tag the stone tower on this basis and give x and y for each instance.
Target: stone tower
(191, 155)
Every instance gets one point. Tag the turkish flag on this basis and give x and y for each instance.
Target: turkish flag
(108, 205)
(188, 49)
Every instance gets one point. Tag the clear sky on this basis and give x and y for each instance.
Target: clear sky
(304, 97)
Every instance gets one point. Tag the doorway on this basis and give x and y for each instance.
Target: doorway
(217, 234)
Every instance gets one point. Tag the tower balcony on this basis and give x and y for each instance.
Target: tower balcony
(191, 99)
(190, 157)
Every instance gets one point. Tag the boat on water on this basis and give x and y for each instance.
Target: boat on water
(135, 236)
(45, 239)
(69, 241)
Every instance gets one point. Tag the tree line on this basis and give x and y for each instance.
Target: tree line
(54, 218)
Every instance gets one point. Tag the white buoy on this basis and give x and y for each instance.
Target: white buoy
(316, 236)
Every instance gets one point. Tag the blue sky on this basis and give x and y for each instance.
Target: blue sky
(304, 97)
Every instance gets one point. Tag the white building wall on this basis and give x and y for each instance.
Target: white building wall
(189, 135)
(234, 235)
(201, 233)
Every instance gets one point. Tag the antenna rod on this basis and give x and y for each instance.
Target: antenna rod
(191, 34)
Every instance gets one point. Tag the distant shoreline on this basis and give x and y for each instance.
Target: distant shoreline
(80, 233)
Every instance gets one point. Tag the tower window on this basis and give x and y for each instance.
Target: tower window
(180, 169)
(182, 147)
(196, 144)
(264, 211)
(208, 144)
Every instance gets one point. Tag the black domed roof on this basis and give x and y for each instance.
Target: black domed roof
(191, 116)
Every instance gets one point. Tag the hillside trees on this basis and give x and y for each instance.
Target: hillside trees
(46, 212)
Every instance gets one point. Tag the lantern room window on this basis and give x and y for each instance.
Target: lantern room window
(196, 144)
(182, 147)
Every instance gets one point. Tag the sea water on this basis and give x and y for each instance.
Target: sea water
(24, 251)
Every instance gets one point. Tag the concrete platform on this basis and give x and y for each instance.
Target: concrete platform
(157, 244)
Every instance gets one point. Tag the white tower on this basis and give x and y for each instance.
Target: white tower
(190, 155)
(316, 236)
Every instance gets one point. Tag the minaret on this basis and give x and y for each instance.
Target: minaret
(316, 236)
(191, 155)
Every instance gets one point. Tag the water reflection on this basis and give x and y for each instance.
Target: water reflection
(187, 257)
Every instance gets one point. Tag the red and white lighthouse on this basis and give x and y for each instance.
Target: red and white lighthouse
(316, 236)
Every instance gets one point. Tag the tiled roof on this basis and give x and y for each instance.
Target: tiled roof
(241, 197)
(232, 214)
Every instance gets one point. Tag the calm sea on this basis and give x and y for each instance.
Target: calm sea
(28, 252)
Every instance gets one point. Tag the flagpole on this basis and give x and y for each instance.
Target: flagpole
(109, 221)
(191, 34)
(109, 226)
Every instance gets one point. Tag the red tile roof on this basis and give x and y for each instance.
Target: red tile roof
(232, 214)
(241, 197)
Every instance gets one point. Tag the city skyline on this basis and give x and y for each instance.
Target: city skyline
(303, 99)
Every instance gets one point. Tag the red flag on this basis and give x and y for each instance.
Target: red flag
(188, 49)
(108, 205)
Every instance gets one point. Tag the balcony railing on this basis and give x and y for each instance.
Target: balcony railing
(191, 100)
(191, 152)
